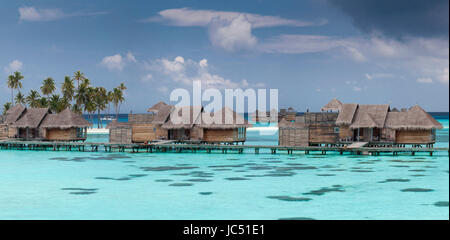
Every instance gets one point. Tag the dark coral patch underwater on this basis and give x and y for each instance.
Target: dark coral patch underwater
(290, 199)
(324, 190)
(417, 190)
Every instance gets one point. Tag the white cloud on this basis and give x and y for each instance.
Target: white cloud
(131, 57)
(424, 80)
(180, 70)
(378, 75)
(232, 35)
(147, 78)
(13, 66)
(185, 17)
(114, 62)
(356, 89)
(203, 63)
(228, 30)
(299, 44)
(49, 14)
(117, 62)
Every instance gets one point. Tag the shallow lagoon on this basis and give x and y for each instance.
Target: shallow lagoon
(74, 185)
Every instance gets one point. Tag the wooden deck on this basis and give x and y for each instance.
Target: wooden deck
(207, 148)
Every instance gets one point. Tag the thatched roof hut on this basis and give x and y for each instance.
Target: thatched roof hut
(346, 114)
(183, 117)
(414, 119)
(155, 108)
(13, 114)
(162, 114)
(64, 120)
(32, 118)
(370, 116)
(225, 118)
(333, 105)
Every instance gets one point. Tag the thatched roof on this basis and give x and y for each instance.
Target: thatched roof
(370, 116)
(183, 117)
(13, 114)
(225, 118)
(155, 108)
(162, 114)
(32, 118)
(346, 114)
(65, 119)
(333, 105)
(414, 119)
(116, 124)
(286, 124)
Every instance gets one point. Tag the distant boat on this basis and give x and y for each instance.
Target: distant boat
(108, 118)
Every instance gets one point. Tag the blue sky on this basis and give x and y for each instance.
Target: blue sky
(313, 50)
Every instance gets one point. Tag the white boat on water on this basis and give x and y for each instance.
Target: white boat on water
(108, 118)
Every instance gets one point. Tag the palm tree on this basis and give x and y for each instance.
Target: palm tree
(68, 89)
(48, 86)
(42, 102)
(110, 97)
(117, 100)
(122, 87)
(100, 100)
(56, 104)
(81, 95)
(89, 105)
(6, 107)
(78, 76)
(14, 82)
(20, 98)
(33, 99)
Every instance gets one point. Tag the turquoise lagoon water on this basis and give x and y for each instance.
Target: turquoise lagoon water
(74, 185)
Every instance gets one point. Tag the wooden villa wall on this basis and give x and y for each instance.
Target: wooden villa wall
(345, 132)
(148, 132)
(12, 132)
(413, 136)
(293, 137)
(3, 131)
(61, 134)
(221, 135)
(321, 133)
(120, 135)
(322, 127)
(197, 133)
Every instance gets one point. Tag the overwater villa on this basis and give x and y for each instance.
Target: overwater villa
(166, 122)
(342, 123)
(40, 124)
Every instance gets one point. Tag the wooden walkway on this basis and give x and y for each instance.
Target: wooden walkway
(357, 145)
(208, 148)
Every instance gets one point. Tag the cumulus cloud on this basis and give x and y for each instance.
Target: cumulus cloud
(186, 17)
(230, 31)
(117, 62)
(49, 14)
(131, 57)
(233, 35)
(186, 71)
(13, 66)
(114, 62)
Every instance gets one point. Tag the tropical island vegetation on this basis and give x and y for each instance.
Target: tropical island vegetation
(83, 99)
